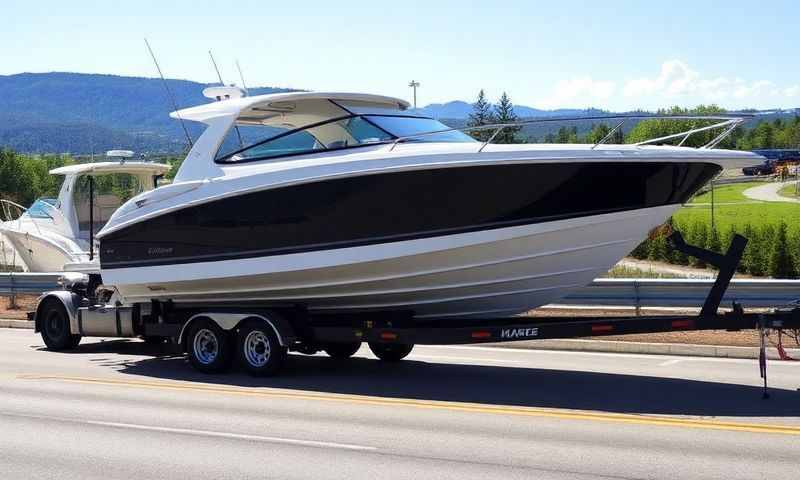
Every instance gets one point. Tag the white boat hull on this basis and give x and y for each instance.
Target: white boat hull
(37, 253)
(482, 274)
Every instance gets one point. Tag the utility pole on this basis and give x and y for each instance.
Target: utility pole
(414, 84)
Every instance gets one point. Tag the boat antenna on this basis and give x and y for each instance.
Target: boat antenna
(169, 94)
(214, 62)
(235, 127)
(241, 76)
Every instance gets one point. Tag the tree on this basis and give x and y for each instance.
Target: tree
(698, 237)
(781, 264)
(647, 129)
(567, 135)
(481, 115)
(504, 113)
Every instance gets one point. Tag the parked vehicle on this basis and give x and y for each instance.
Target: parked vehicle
(775, 159)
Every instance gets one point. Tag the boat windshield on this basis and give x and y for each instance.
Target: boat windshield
(41, 208)
(334, 134)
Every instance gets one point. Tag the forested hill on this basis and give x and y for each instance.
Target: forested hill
(73, 112)
(82, 113)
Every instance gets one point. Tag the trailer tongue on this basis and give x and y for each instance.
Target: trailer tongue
(260, 334)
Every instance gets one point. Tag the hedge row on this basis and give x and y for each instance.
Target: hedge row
(771, 249)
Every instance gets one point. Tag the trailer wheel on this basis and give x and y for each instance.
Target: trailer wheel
(390, 352)
(209, 347)
(260, 352)
(341, 351)
(55, 327)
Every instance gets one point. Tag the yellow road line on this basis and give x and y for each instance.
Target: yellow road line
(434, 405)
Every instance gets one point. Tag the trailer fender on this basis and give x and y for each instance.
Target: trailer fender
(70, 300)
(230, 321)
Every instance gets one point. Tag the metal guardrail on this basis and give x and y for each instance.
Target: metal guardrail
(684, 293)
(22, 283)
(624, 292)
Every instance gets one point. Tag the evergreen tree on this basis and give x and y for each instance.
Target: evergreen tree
(658, 248)
(699, 238)
(746, 265)
(504, 113)
(676, 256)
(481, 115)
(781, 264)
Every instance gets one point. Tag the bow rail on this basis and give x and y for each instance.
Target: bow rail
(726, 122)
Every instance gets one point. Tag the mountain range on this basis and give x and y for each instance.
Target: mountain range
(79, 113)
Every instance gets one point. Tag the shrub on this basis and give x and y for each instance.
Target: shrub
(699, 238)
(781, 263)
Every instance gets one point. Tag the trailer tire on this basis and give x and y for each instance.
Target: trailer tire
(390, 352)
(55, 327)
(209, 347)
(260, 351)
(341, 351)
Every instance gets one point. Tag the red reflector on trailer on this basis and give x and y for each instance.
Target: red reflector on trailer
(682, 324)
(602, 328)
(388, 336)
(481, 334)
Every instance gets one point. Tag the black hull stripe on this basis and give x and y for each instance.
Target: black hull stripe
(398, 206)
(332, 246)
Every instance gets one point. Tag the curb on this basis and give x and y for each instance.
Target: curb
(8, 323)
(608, 346)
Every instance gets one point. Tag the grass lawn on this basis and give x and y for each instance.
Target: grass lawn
(733, 208)
(788, 191)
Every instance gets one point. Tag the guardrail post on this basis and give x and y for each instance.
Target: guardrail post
(12, 303)
(637, 303)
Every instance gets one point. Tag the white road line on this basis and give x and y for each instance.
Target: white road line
(463, 359)
(202, 433)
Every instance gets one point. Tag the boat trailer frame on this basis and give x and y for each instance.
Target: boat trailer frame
(402, 328)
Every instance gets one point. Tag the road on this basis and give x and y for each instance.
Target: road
(769, 193)
(124, 409)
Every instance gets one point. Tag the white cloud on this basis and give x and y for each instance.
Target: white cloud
(792, 91)
(677, 79)
(580, 91)
(676, 83)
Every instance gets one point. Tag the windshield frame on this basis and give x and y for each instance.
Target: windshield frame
(226, 159)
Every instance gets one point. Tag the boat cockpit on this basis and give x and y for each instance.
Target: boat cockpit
(285, 128)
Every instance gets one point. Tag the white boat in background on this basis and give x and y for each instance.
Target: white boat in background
(348, 202)
(54, 232)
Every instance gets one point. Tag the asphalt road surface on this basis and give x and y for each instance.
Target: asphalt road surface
(123, 409)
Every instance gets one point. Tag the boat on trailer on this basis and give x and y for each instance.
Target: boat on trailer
(54, 233)
(321, 221)
(351, 202)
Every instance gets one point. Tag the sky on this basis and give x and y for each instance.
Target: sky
(618, 55)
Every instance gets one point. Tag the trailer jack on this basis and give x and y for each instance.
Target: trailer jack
(727, 265)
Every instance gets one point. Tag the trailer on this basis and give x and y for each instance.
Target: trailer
(258, 336)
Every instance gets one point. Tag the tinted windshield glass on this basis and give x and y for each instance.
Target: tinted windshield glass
(343, 133)
(407, 126)
(42, 208)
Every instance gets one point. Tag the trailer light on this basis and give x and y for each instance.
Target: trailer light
(481, 334)
(388, 336)
(682, 324)
(602, 328)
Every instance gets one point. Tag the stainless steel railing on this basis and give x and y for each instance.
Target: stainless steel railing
(726, 122)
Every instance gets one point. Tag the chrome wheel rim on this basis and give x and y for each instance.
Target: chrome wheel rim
(257, 348)
(206, 346)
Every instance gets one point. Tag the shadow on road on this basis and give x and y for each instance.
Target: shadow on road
(493, 385)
